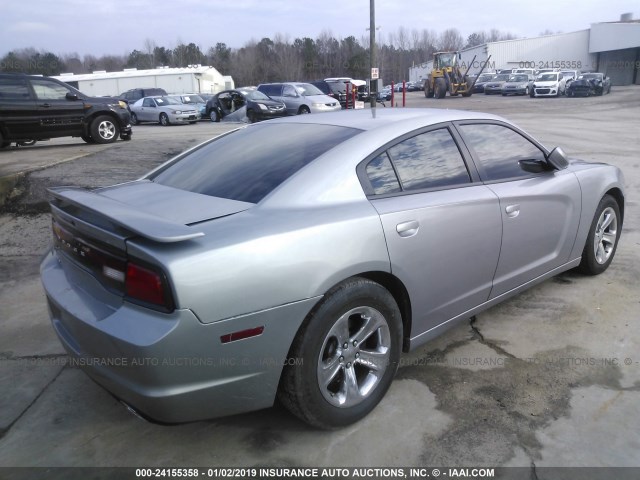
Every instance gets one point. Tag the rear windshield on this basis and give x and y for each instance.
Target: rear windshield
(249, 163)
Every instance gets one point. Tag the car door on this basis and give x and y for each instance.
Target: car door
(59, 115)
(18, 111)
(442, 226)
(291, 99)
(540, 212)
(148, 110)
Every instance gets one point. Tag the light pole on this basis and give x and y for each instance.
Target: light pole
(373, 93)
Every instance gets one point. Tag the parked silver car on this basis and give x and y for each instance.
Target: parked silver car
(193, 100)
(164, 110)
(298, 257)
(300, 98)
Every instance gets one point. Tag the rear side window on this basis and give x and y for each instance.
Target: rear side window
(250, 163)
(13, 88)
(498, 149)
(429, 160)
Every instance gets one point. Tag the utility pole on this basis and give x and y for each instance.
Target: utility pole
(373, 93)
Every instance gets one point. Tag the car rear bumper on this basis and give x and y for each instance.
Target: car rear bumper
(169, 367)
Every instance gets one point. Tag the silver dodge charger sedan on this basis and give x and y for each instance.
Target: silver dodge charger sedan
(297, 258)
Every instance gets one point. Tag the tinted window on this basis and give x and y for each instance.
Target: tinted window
(382, 176)
(429, 160)
(271, 90)
(289, 91)
(498, 149)
(14, 88)
(46, 90)
(249, 163)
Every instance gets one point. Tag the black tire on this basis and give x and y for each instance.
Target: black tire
(134, 119)
(467, 94)
(251, 116)
(164, 120)
(213, 115)
(87, 138)
(603, 237)
(343, 309)
(126, 137)
(3, 144)
(303, 110)
(440, 88)
(104, 129)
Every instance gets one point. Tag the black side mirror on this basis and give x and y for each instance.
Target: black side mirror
(533, 166)
(557, 159)
(71, 96)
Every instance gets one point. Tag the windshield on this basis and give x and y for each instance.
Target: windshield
(503, 77)
(446, 59)
(255, 95)
(192, 99)
(589, 76)
(548, 77)
(307, 89)
(249, 163)
(485, 77)
(162, 101)
(518, 78)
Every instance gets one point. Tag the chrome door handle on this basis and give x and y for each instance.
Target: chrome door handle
(512, 210)
(408, 229)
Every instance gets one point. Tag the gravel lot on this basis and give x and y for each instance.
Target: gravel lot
(549, 378)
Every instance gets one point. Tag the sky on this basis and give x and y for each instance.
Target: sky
(119, 26)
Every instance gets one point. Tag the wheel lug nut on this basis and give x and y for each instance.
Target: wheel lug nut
(348, 365)
(355, 343)
(357, 355)
(341, 359)
(346, 345)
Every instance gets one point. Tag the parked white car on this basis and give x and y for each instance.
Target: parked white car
(550, 84)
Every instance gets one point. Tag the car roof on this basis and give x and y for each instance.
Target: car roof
(363, 119)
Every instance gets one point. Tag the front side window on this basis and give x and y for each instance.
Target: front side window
(249, 163)
(46, 90)
(429, 160)
(498, 149)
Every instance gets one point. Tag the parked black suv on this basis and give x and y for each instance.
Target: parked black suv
(135, 94)
(335, 89)
(39, 108)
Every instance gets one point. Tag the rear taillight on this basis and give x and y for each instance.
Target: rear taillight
(146, 285)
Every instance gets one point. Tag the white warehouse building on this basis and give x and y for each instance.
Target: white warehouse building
(195, 79)
(612, 48)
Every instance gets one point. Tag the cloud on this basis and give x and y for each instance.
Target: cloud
(29, 27)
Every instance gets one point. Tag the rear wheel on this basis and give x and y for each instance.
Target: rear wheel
(3, 144)
(348, 350)
(134, 119)
(603, 237)
(440, 88)
(104, 129)
(164, 120)
(213, 116)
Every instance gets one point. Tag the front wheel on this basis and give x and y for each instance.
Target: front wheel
(346, 353)
(104, 129)
(304, 110)
(213, 116)
(134, 119)
(164, 120)
(603, 237)
(251, 116)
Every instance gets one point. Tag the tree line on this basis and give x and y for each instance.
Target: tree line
(270, 59)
